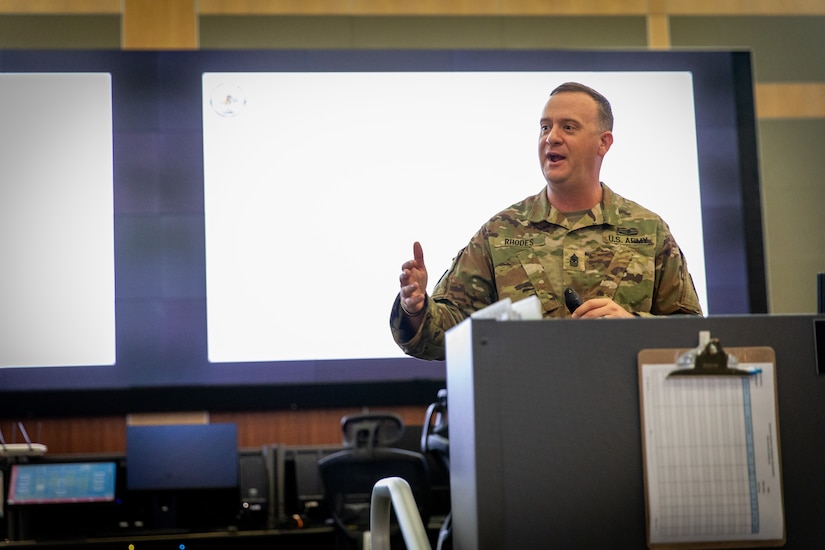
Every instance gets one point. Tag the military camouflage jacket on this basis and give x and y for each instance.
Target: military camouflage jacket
(618, 249)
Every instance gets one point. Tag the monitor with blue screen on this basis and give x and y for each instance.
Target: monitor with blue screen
(62, 483)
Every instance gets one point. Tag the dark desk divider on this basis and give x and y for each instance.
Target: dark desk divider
(545, 436)
(272, 483)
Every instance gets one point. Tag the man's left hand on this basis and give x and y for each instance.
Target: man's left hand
(601, 308)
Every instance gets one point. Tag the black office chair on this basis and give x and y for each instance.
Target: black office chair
(435, 437)
(435, 441)
(349, 475)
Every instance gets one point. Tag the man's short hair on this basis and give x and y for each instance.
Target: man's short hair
(603, 105)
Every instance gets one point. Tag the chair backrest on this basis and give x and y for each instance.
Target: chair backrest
(349, 475)
(370, 430)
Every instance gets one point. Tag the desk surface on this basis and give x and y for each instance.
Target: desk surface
(288, 539)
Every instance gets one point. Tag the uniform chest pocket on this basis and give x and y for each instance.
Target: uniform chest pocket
(523, 275)
(609, 267)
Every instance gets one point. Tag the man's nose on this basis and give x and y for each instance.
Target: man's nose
(552, 137)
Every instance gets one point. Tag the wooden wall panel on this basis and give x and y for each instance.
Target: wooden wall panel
(658, 32)
(317, 427)
(574, 7)
(502, 7)
(107, 434)
(745, 7)
(72, 435)
(425, 7)
(166, 25)
(274, 7)
(56, 7)
(790, 100)
(434, 7)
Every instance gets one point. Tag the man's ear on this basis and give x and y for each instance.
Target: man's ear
(606, 142)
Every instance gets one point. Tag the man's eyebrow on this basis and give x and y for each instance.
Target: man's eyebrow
(544, 120)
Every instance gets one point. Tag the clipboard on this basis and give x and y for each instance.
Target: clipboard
(710, 444)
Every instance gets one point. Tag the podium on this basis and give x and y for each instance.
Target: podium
(545, 430)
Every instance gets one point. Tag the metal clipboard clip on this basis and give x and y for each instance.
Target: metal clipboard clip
(710, 359)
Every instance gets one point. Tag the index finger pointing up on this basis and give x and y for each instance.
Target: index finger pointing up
(418, 254)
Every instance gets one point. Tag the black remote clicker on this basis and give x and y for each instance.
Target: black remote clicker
(572, 299)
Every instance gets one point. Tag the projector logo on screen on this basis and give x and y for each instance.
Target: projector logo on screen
(228, 100)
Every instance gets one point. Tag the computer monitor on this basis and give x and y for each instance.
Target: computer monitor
(182, 457)
(62, 483)
(183, 476)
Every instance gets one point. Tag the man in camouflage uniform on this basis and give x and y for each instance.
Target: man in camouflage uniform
(620, 257)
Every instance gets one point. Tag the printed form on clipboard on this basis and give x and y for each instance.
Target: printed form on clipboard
(710, 439)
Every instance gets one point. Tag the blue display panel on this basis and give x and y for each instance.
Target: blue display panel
(62, 483)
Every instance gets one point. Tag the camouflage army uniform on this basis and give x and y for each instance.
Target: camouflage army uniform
(619, 250)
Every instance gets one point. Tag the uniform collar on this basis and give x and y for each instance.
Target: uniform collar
(606, 212)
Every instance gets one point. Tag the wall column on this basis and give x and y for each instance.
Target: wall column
(159, 25)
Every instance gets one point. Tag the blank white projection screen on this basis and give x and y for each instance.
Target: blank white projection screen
(317, 184)
(56, 220)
